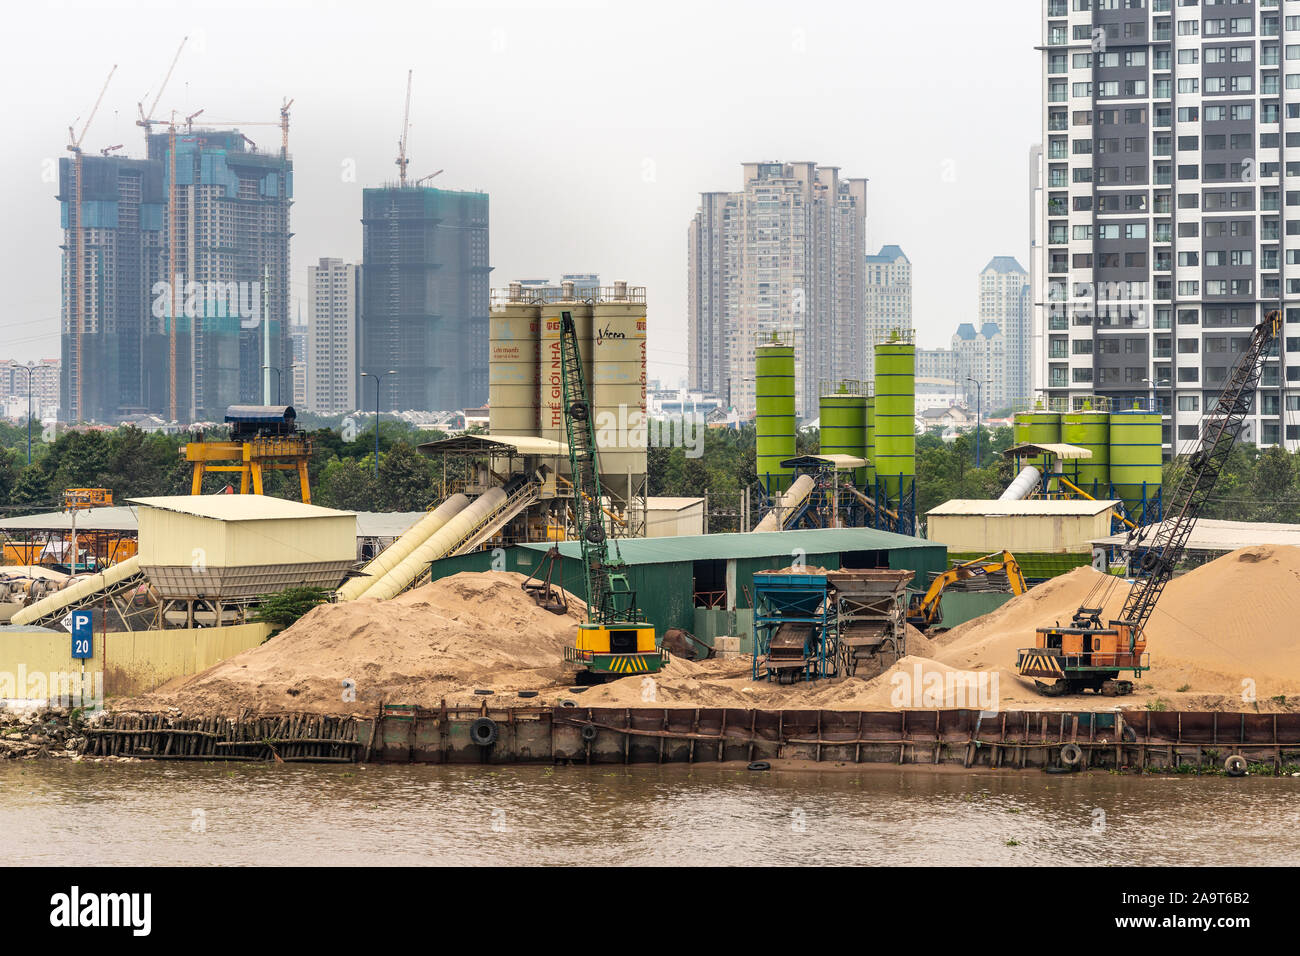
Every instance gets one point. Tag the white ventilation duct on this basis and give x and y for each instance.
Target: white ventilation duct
(393, 555)
(1025, 483)
(792, 499)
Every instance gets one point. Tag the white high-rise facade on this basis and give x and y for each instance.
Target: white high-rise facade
(784, 255)
(1170, 218)
(1004, 303)
(889, 300)
(332, 337)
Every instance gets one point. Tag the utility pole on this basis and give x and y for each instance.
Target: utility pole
(978, 401)
(29, 368)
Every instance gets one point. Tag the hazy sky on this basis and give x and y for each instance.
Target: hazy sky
(593, 125)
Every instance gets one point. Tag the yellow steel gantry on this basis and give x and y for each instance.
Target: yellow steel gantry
(286, 453)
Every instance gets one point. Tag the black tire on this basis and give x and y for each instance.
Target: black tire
(1235, 766)
(1071, 755)
(483, 731)
(484, 693)
(568, 703)
(759, 765)
(1056, 770)
(595, 533)
(589, 732)
(528, 693)
(579, 411)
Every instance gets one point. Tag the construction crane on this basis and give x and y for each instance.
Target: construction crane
(406, 128)
(925, 611)
(425, 179)
(282, 122)
(614, 641)
(1087, 655)
(146, 119)
(76, 272)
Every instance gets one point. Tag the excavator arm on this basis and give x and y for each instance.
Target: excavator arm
(925, 610)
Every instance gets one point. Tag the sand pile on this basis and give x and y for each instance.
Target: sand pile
(1236, 618)
(446, 638)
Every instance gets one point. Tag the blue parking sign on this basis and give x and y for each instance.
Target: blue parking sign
(83, 634)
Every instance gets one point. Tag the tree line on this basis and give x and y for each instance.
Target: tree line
(1255, 485)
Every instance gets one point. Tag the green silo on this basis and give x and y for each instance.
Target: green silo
(1091, 430)
(844, 425)
(775, 420)
(1135, 458)
(871, 441)
(1038, 427)
(895, 408)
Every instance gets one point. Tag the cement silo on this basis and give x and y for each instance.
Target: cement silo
(895, 417)
(871, 441)
(618, 362)
(550, 375)
(514, 367)
(843, 416)
(1088, 429)
(1135, 461)
(775, 418)
(1037, 427)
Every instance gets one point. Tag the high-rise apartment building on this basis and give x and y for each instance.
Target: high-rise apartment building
(1171, 219)
(112, 256)
(783, 255)
(45, 386)
(1004, 301)
(333, 288)
(425, 297)
(889, 300)
(981, 356)
(221, 326)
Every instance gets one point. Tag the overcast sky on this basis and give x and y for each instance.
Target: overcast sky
(593, 125)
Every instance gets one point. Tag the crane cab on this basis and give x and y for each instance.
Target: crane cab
(1081, 658)
(618, 649)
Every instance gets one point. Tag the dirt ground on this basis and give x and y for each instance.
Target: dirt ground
(1224, 637)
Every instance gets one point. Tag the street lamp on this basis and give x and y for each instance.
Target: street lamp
(272, 368)
(377, 379)
(977, 418)
(29, 368)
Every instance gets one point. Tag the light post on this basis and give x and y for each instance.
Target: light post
(377, 379)
(272, 368)
(29, 368)
(977, 418)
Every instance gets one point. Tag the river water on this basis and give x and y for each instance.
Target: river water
(60, 812)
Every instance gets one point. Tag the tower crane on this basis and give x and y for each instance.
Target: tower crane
(1087, 655)
(402, 161)
(76, 274)
(614, 641)
(146, 116)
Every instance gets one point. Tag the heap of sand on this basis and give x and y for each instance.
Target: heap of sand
(1222, 634)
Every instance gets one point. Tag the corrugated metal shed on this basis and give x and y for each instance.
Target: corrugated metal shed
(229, 531)
(1028, 449)
(674, 576)
(117, 518)
(1034, 507)
(720, 547)
(238, 507)
(496, 445)
(1209, 534)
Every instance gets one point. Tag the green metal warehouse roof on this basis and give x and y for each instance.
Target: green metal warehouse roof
(713, 547)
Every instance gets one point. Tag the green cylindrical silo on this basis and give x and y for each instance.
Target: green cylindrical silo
(1135, 458)
(774, 420)
(871, 440)
(1091, 430)
(844, 426)
(895, 415)
(1038, 427)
